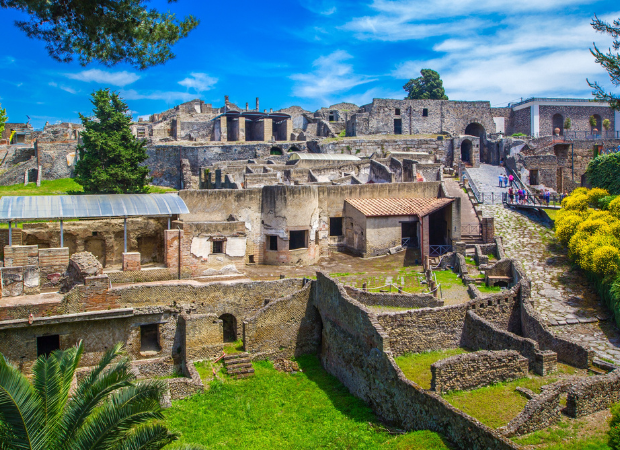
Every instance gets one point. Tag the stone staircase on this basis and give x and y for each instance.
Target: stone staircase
(238, 365)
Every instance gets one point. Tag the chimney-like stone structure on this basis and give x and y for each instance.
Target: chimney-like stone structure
(257, 105)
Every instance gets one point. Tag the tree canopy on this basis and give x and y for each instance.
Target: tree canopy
(110, 157)
(610, 61)
(3, 119)
(427, 87)
(108, 409)
(603, 173)
(108, 31)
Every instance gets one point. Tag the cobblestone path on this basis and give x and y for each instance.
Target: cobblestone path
(560, 291)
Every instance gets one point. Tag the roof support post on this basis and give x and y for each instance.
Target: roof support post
(10, 234)
(168, 222)
(62, 237)
(125, 234)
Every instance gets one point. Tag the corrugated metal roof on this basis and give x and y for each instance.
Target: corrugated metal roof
(323, 156)
(18, 208)
(376, 207)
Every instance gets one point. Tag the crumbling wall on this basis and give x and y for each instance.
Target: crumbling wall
(284, 328)
(593, 394)
(354, 348)
(475, 370)
(393, 299)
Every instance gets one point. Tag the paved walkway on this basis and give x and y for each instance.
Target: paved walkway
(486, 178)
(560, 292)
(468, 214)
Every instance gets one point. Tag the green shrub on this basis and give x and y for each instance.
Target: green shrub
(603, 173)
(603, 203)
(614, 424)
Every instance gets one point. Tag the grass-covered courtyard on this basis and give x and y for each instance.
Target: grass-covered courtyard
(275, 410)
(59, 187)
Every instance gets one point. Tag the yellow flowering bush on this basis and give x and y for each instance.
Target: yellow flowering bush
(577, 202)
(595, 194)
(592, 244)
(566, 225)
(594, 226)
(614, 207)
(604, 261)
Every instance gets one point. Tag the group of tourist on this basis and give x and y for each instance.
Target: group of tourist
(520, 196)
(504, 180)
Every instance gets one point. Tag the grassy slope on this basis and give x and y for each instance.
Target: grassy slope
(57, 187)
(417, 367)
(275, 410)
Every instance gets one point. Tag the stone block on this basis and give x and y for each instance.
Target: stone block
(12, 281)
(131, 261)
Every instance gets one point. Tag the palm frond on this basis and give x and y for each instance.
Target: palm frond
(147, 437)
(20, 410)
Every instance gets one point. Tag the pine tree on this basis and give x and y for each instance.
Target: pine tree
(108, 31)
(427, 87)
(610, 62)
(110, 157)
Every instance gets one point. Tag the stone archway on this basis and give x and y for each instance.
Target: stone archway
(276, 151)
(557, 122)
(229, 327)
(466, 148)
(475, 129)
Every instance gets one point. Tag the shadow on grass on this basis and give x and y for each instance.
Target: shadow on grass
(345, 402)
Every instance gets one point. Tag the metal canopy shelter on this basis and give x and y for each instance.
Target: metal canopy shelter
(61, 207)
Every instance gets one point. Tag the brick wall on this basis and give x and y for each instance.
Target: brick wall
(21, 255)
(131, 261)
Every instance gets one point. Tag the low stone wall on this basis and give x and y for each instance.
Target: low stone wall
(568, 351)
(156, 367)
(593, 394)
(184, 387)
(284, 328)
(144, 275)
(474, 370)
(480, 333)
(540, 412)
(355, 349)
(398, 300)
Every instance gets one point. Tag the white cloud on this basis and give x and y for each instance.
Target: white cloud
(331, 76)
(68, 89)
(169, 96)
(524, 55)
(102, 77)
(322, 7)
(200, 82)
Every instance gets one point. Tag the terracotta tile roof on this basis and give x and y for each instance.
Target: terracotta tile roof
(376, 207)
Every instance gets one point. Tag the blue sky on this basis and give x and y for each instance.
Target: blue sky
(313, 53)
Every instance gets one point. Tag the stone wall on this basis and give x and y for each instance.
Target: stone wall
(355, 349)
(593, 394)
(383, 147)
(56, 159)
(284, 328)
(475, 370)
(568, 351)
(397, 300)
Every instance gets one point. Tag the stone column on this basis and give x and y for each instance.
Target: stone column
(289, 130)
(241, 133)
(223, 129)
(488, 229)
(267, 129)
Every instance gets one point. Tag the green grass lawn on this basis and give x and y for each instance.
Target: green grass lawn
(552, 213)
(568, 434)
(275, 410)
(58, 187)
(447, 278)
(498, 404)
(417, 366)
(488, 289)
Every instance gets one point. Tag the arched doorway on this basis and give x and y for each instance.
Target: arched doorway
(475, 129)
(557, 122)
(276, 151)
(466, 151)
(599, 124)
(229, 327)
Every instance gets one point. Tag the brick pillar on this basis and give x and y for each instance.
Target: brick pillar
(241, 134)
(289, 130)
(488, 230)
(223, 129)
(425, 247)
(171, 249)
(267, 129)
(131, 261)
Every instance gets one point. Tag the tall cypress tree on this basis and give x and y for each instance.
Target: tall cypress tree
(110, 157)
